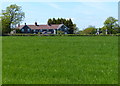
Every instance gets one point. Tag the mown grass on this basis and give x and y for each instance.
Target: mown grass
(0, 60)
(60, 60)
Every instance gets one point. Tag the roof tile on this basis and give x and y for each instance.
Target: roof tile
(52, 26)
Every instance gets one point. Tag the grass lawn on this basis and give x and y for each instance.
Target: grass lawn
(60, 60)
(0, 60)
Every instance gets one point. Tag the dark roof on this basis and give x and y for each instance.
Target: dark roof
(52, 26)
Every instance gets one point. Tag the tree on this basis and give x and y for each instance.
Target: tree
(5, 22)
(89, 30)
(12, 16)
(66, 22)
(116, 28)
(54, 21)
(103, 29)
(49, 21)
(0, 26)
(109, 24)
(71, 26)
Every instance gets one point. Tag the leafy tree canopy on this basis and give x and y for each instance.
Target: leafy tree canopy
(89, 30)
(67, 22)
(110, 24)
(13, 14)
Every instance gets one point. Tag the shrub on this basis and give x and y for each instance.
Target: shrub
(18, 31)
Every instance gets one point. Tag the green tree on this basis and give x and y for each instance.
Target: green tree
(12, 16)
(66, 22)
(116, 28)
(58, 21)
(0, 26)
(109, 24)
(76, 29)
(89, 30)
(5, 22)
(54, 21)
(49, 21)
(103, 29)
(71, 26)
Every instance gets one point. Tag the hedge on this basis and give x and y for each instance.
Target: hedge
(23, 34)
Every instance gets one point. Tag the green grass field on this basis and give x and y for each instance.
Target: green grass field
(60, 60)
(0, 60)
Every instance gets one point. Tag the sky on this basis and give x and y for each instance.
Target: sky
(83, 14)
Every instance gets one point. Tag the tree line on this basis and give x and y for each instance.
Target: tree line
(13, 15)
(67, 22)
(110, 26)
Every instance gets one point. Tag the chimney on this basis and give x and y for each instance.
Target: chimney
(18, 25)
(25, 23)
(36, 24)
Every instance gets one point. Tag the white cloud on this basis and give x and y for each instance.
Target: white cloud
(55, 6)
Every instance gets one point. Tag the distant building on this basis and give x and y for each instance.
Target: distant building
(13, 32)
(98, 32)
(44, 29)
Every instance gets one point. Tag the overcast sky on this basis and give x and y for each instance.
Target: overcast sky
(82, 13)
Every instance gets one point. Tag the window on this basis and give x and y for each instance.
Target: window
(28, 30)
(50, 30)
(40, 30)
(22, 30)
(44, 30)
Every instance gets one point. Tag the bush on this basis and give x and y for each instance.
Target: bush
(18, 31)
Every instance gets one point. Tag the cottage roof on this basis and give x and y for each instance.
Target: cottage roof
(52, 26)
